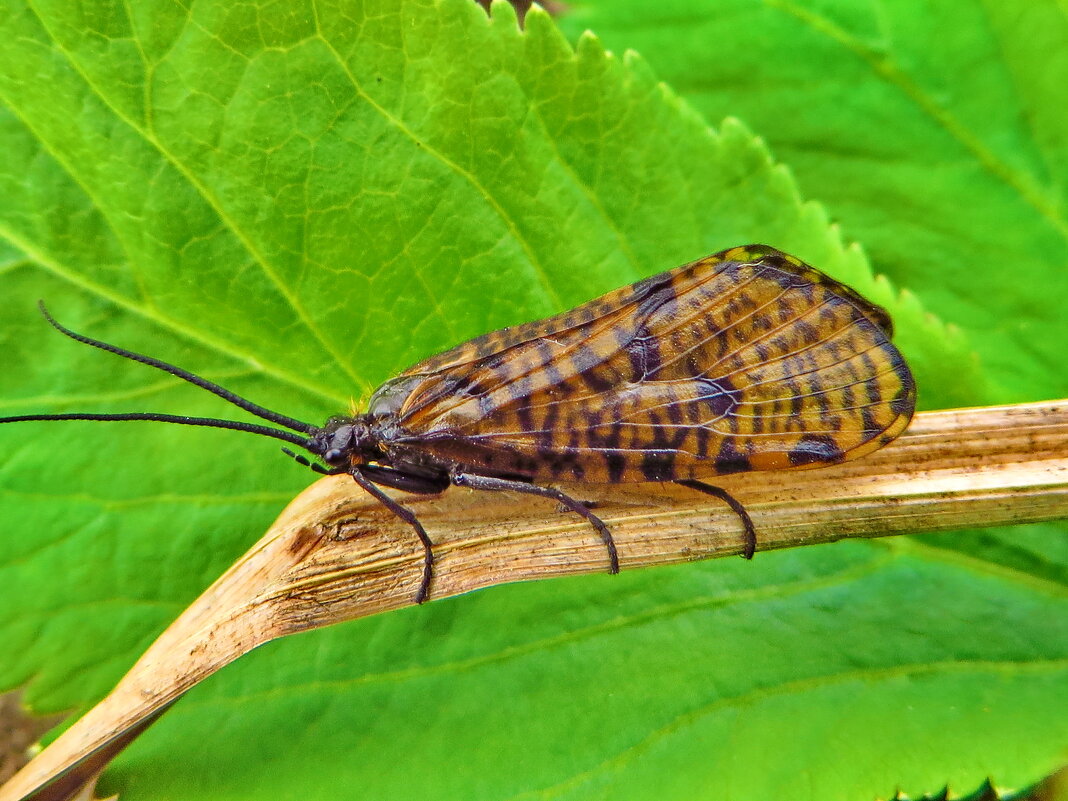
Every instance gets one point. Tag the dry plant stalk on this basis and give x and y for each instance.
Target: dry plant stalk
(334, 554)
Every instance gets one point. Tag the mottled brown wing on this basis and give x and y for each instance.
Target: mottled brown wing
(745, 360)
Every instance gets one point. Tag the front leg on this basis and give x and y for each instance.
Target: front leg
(408, 480)
(408, 516)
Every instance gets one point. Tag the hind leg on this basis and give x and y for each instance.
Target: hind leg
(734, 504)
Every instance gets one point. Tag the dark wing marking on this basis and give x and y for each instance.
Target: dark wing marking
(744, 360)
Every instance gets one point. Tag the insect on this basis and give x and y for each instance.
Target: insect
(748, 359)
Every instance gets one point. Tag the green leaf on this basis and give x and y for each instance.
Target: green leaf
(300, 200)
(934, 131)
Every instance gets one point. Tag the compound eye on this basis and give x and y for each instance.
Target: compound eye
(333, 456)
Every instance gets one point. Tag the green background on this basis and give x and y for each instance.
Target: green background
(299, 200)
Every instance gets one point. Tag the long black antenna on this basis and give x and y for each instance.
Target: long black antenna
(210, 422)
(185, 375)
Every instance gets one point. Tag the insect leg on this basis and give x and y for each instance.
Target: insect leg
(405, 480)
(502, 484)
(408, 517)
(733, 503)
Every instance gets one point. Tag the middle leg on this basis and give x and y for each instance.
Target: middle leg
(491, 484)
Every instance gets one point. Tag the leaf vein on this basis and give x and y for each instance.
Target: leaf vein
(213, 202)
